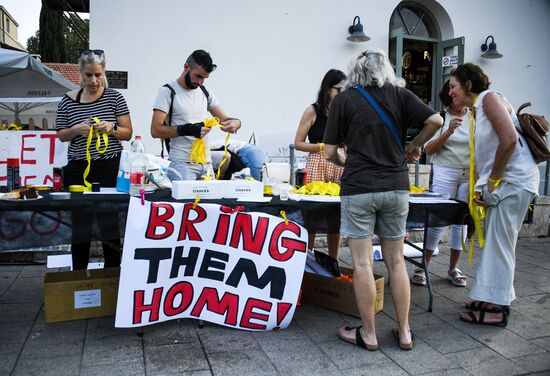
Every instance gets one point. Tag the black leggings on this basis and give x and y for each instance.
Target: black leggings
(104, 172)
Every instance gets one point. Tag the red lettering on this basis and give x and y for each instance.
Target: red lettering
(249, 313)
(185, 289)
(156, 220)
(222, 228)
(282, 310)
(291, 245)
(140, 307)
(51, 137)
(24, 149)
(252, 242)
(188, 226)
(28, 180)
(228, 305)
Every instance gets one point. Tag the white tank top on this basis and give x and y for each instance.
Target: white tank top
(521, 170)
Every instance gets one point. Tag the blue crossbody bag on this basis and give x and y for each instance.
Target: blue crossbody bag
(382, 114)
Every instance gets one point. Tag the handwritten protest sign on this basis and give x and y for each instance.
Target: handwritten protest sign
(237, 269)
(38, 153)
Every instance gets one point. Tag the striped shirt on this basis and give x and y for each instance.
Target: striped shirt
(106, 108)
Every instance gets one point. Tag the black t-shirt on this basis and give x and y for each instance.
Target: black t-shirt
(374, 161)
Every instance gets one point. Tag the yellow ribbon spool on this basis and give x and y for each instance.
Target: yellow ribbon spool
(78, 188)
(93, 130)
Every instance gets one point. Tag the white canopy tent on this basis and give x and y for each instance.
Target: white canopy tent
(25, 83)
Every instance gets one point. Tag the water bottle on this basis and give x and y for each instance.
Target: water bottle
(138, 167)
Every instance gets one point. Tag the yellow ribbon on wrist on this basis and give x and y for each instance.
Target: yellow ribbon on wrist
(321, 146)
(496, 182)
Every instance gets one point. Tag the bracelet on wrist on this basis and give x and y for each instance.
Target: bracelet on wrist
(321, 146)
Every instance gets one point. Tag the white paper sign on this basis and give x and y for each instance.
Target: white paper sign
(242, 270)
(87, 299)
(38, 153)
(448, 61)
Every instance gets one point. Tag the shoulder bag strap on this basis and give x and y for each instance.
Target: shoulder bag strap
(382, 115)
(166, 141)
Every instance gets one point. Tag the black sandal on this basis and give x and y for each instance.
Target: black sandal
(481, 320)
(478, 305)
(358, 339)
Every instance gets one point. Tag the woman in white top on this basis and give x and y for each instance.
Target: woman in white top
(507, 181)
(449, 150)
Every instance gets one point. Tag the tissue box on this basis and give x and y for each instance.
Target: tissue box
(214, 189)
(189, 189)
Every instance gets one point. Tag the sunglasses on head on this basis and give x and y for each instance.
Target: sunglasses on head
(95, 52)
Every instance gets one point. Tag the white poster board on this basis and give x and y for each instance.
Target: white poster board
(209, 262)
(38, 152)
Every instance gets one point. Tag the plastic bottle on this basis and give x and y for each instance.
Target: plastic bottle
(12, 173)
(138, 167)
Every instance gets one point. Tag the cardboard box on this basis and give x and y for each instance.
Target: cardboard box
(214, 189)
(80, 294)
(336, 294)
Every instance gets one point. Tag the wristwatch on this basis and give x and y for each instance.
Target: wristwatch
(115, 127)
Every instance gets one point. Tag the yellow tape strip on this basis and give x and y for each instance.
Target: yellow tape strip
(283, 214)
(226, 153)
(197, 199)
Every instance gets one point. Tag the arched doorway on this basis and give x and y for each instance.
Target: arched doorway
(417, 48)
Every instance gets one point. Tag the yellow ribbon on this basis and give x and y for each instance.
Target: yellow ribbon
(225, 154)
(93, 130)
(283, 214)
(415, 189)
(14, 126)
(476, 211)
(319, 188)
(198, 149)
(197, 199)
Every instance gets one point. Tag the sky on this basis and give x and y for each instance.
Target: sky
(27, 14)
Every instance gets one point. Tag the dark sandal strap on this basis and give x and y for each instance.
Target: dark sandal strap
(359, 339)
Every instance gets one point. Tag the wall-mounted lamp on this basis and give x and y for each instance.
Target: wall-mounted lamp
(356, 31)
(490, 51)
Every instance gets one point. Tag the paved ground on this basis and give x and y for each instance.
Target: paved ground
(444, 345)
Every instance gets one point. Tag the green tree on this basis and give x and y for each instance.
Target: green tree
(51, 35)
(75, 36)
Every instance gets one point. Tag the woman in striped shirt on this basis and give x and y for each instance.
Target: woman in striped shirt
(76, 114)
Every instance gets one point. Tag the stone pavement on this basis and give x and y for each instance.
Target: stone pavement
(444, 345)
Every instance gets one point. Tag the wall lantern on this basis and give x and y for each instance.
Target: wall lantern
(490, 51)
(356, 31)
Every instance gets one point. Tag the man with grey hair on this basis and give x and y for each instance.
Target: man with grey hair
(371, 119)
(179, 111)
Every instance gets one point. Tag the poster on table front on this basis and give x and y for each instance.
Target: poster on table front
(209, 262)
(38, 153)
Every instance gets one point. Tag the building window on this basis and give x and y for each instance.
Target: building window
(413, 20)
(7, 25)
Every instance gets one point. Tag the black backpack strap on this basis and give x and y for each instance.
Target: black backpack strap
(78, 95)
(166, 141)
(206, 93)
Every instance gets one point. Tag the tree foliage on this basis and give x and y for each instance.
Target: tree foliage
(67, 45)
(51, 36)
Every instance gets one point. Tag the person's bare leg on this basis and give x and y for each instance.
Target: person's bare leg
(455, 256)
(333, 241)
(365, 289)
(399, 285)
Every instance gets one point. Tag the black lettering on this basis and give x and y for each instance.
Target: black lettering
(190, 261)
(273, 275)
(207, 263)
(153, 255)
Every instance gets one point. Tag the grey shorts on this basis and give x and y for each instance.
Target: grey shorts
(380, 213)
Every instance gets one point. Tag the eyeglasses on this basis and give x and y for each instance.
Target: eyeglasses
(95, 52)
(338, 89)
